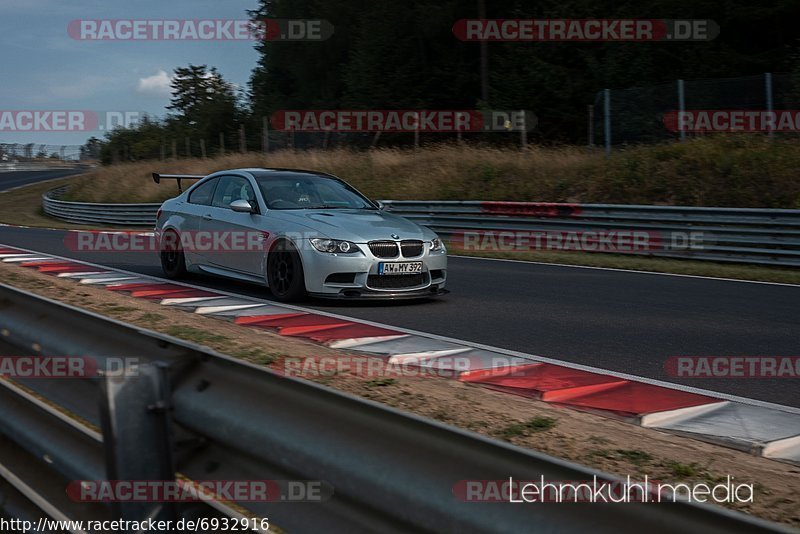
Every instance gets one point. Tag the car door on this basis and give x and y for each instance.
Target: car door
(197, 206)
(236, 236)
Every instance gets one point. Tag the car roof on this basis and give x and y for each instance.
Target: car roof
(278, 172)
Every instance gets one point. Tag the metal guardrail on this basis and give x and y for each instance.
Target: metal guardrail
(742, 235)
(94, 213)
(386, 471)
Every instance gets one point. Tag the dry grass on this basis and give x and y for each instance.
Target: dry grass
(438, 172)
(721, 171)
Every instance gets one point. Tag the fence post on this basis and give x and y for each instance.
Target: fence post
(523, 134)
(590, 128)
(242, 140)
(607, 120)
(222, 143)
(681, 109)
(416, 131)
(768, 89)
(203, 148)
(265, 134)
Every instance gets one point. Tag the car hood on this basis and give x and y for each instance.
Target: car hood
(358, 226)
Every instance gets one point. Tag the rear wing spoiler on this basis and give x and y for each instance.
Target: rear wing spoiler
(158, 177)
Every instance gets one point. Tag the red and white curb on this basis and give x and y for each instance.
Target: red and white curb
(761, 428)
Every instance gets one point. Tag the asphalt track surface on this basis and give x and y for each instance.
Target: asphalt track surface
(14, 179)
(627, 322)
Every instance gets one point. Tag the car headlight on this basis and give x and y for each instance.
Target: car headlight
(334, 246)
(436, 245)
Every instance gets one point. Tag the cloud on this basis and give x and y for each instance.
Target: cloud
(155, 85)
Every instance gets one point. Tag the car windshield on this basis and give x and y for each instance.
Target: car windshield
(308, 191)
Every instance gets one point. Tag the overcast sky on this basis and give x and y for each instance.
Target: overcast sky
(43, 68)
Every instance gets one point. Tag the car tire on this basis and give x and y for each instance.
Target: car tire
(285, 275)
(173, 260)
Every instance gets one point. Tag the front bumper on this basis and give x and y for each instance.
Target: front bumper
(362, 271)
(361, 294)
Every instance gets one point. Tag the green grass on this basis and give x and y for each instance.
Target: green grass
(151, 317)
(256, 355)
(537, 424)
(194, 334)
(112, 308)
(682, 470)
(23, 206)
(635, 456)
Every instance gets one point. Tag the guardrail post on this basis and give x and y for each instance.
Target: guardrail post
(137, 434)
(416, 131)
(265, 134)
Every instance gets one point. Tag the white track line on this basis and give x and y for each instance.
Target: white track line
(627, 270)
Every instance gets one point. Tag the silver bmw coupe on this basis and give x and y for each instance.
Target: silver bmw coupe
(300, 233)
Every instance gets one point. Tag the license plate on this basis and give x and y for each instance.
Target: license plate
(409, 267)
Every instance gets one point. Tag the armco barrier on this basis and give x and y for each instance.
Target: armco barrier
(743, 235)
(200, 415)
(92, 213)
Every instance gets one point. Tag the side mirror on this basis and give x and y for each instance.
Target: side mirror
(381, 205)
(241, 206)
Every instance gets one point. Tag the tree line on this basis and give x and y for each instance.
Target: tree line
(386, 54)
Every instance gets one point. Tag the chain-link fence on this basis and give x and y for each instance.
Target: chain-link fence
(263, 139)
(642, 114)
(35, 152)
